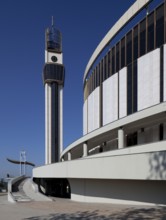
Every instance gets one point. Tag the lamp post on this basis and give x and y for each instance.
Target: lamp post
(22, 162)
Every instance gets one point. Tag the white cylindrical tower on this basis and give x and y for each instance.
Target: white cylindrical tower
(53, 78)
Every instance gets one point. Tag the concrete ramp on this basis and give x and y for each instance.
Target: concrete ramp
(23, 189)
(31, 191)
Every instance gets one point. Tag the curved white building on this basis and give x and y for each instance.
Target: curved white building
(121, 157)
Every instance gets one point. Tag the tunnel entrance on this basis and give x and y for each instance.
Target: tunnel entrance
(54, 187)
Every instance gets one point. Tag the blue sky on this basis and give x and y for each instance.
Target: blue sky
(83, 24)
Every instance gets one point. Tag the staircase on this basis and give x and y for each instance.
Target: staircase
(25, 190)
(18, 192)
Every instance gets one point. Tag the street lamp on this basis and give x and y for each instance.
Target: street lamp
(22, 162)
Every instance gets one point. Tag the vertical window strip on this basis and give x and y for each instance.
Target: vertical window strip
(161, 74)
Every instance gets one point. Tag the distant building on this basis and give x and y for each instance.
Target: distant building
(121, 157)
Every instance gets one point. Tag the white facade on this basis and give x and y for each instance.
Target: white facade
(123, 92)
(85, 117)
(110, 99)
(93, 110)
(149, 79)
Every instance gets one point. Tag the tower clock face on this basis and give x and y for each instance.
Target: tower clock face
(54, 59)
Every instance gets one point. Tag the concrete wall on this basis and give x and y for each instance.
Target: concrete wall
(146, 162)
(130, 175)
(118, 191)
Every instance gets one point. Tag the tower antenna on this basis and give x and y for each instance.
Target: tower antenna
(52, 21)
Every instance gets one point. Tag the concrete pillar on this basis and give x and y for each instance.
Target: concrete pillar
(120, 138)
(69, 155)
(85, 149)
(60, 91)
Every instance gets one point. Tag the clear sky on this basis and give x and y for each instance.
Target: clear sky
(83, 24)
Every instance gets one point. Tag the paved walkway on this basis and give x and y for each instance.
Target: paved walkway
(66, 210)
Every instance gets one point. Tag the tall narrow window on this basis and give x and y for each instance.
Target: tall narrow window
(123, 53)
(99, 74)
(142, 37)
(135, 43)
(135, 86)
(161, 132)
(129, 48)
(160, 26)
(93, 78)
(109, 64)
(90, 81)
(105, 67)
(161, 74)
(150, 40)
(129, 89)
(117, 57)
(113, 60)
(101, 71)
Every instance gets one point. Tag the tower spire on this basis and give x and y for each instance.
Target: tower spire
(52, 21)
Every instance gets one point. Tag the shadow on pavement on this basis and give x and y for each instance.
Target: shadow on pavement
(126, 214)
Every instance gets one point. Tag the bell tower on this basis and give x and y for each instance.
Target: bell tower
(53, 79)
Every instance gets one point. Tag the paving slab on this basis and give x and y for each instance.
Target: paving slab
(66, 209)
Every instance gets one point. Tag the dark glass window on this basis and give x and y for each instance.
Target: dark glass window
(161, 132)
(135, 43)
(161, 74)
(129, 47)
(117, 57)
(88, 88)
(113, 60)
(135, 87)
(132, 139)
(90, 84)
(129, 89)
(109, 64)
(160, 26)
(101, 71)
(93, 79)
(143, 37)
(150, 40)
(96, 77)
(105, 68)
(122, 52)
(99, 74)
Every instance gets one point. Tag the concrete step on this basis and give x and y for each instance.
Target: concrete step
(21, 197)
(25, 190)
